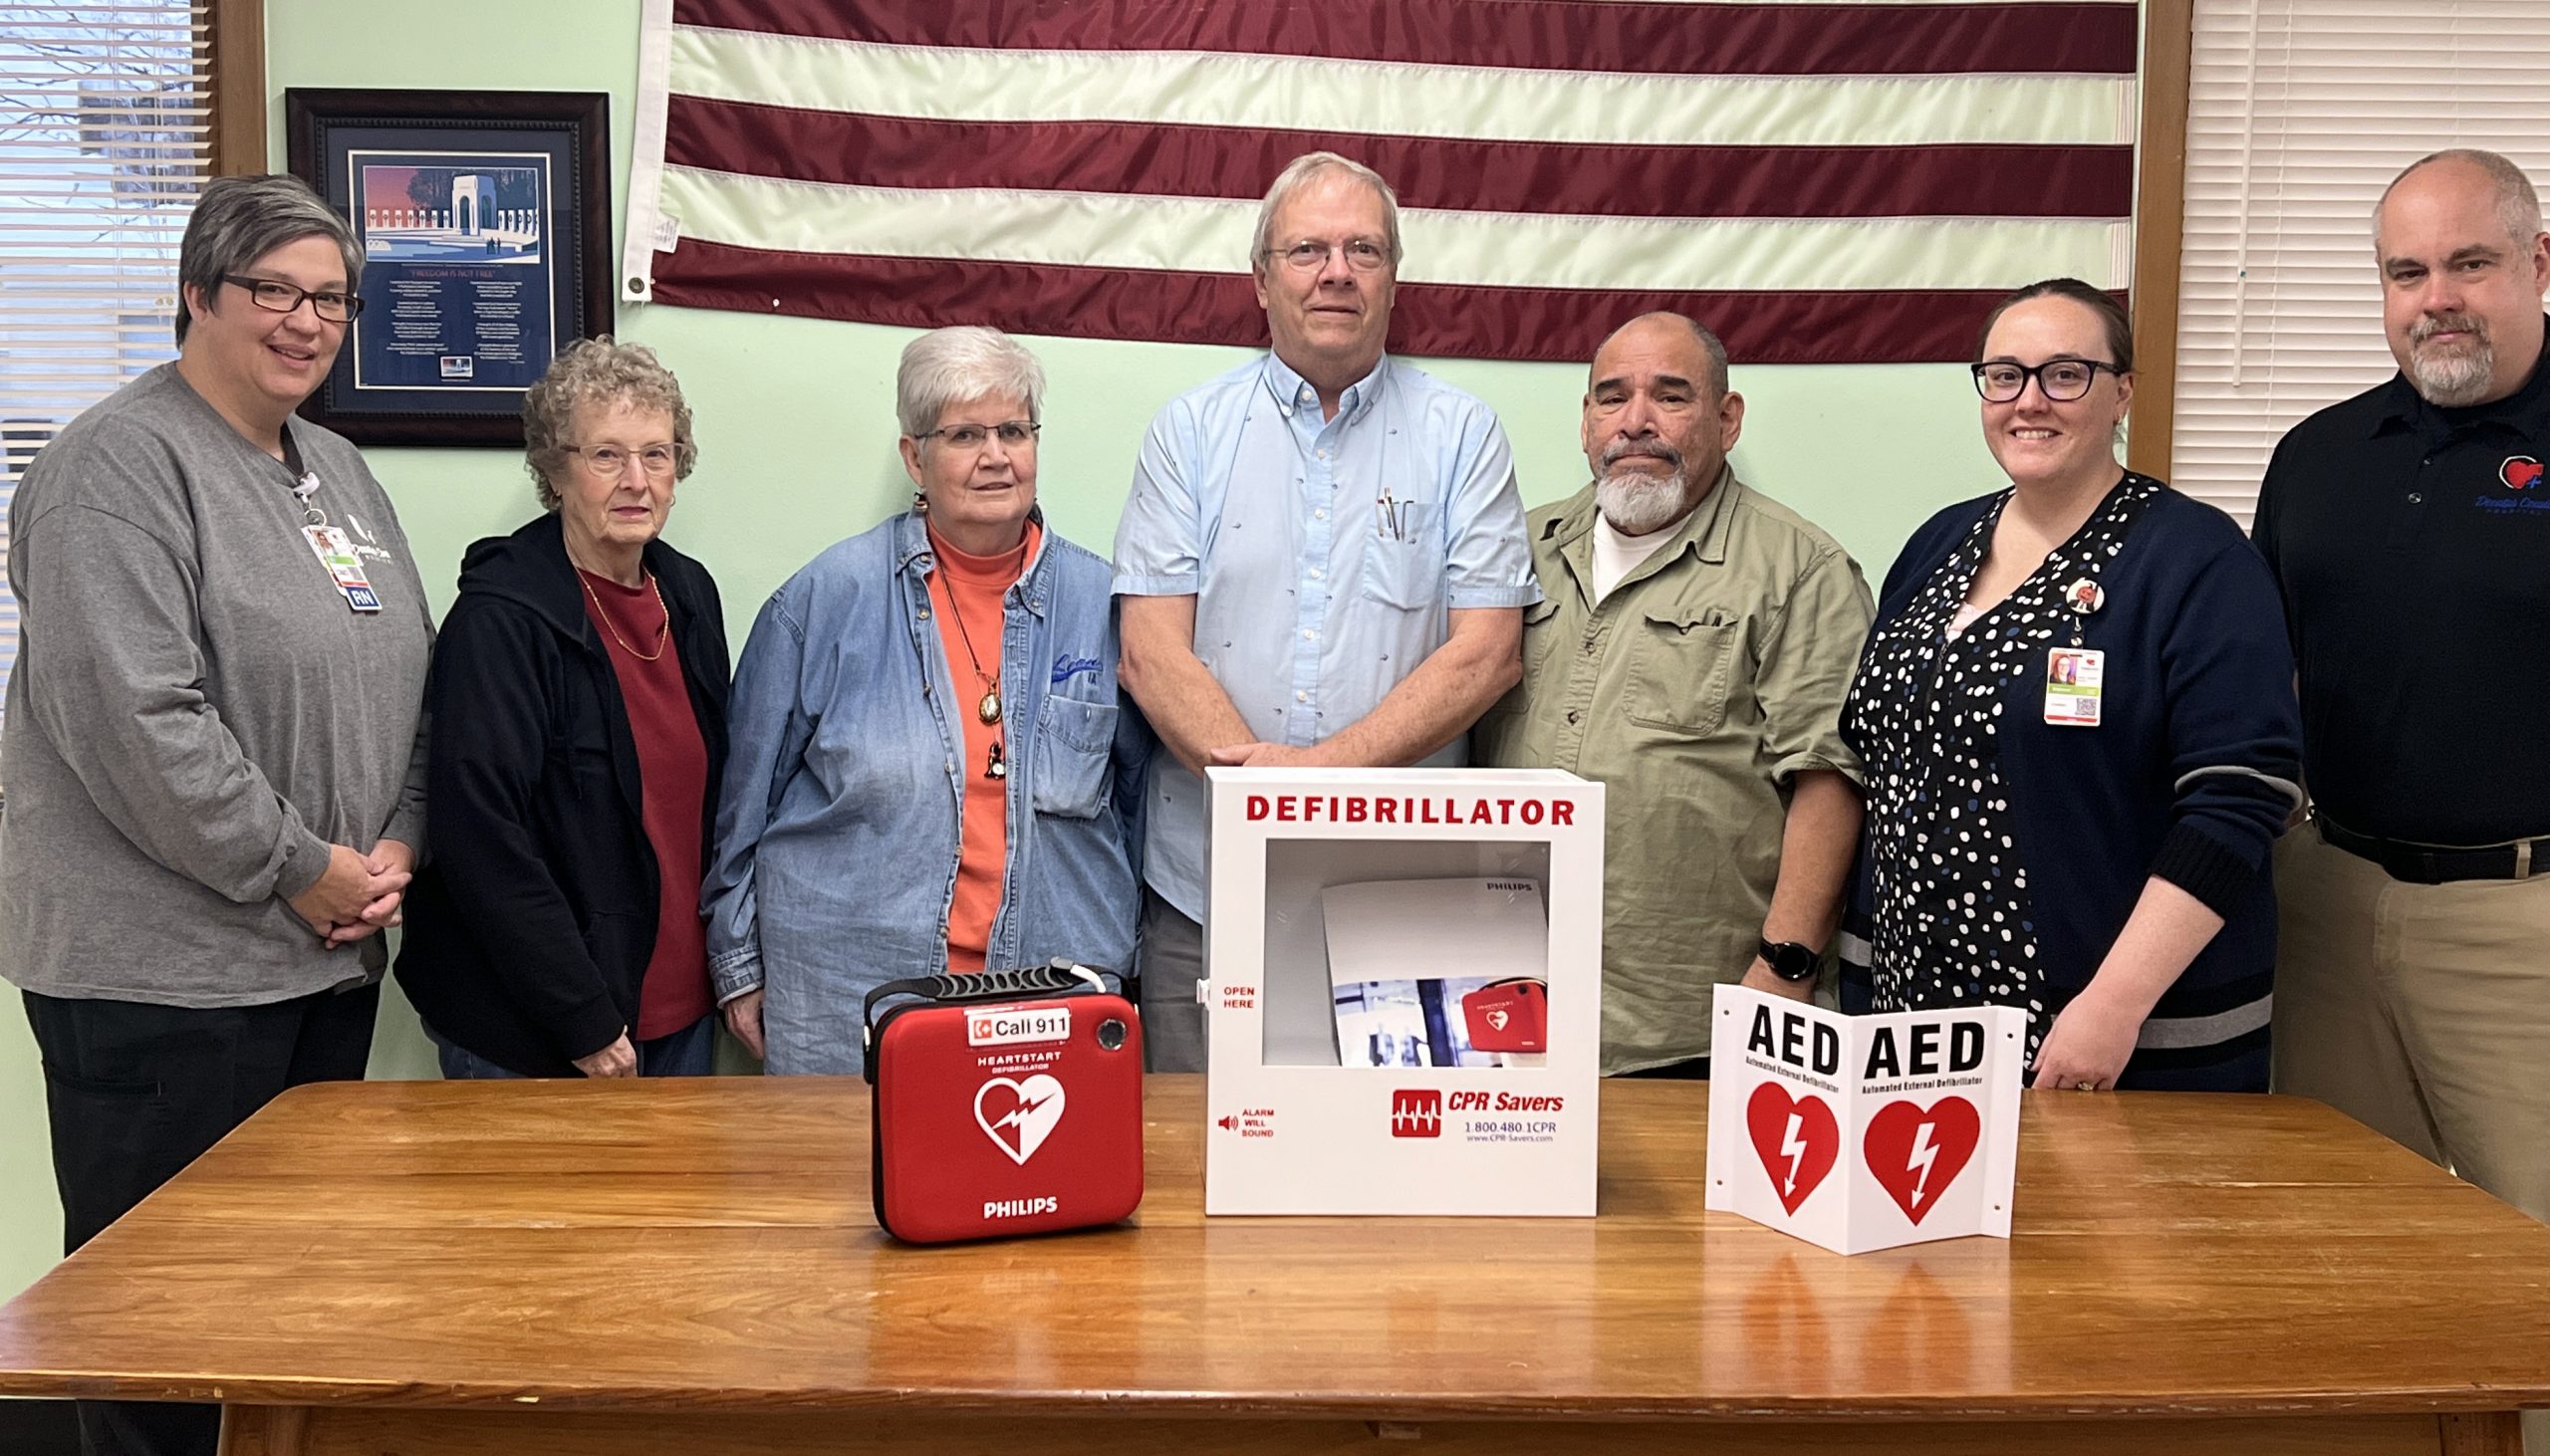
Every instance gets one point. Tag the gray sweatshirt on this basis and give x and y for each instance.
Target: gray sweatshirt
(196, 713)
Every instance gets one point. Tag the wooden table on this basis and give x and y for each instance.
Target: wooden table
(572, 1268)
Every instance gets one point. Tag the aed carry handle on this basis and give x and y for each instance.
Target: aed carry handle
(1060, 976)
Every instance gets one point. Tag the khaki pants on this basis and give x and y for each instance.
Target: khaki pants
(2424, 1012)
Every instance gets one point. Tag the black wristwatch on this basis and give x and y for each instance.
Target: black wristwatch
(1791, 961)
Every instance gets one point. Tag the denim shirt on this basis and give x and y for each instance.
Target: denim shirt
(835, 851)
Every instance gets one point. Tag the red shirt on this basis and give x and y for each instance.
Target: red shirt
(975, 585)
(672, 772)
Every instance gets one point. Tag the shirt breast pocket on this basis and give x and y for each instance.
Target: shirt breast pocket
(1075, 742)
(1401, 567)
(1540, 635)
(1678, 665)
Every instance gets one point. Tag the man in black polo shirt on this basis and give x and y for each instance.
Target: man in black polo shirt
(2409, 529)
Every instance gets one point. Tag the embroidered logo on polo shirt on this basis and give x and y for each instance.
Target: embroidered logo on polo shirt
(2521, 476)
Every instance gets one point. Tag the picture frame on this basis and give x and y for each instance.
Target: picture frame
(486, 219)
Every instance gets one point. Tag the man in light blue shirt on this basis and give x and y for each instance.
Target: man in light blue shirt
(1322, 562)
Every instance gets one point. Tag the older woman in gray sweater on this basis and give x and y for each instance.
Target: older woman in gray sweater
(211, 734)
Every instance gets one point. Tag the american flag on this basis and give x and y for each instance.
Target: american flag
(1823, 184)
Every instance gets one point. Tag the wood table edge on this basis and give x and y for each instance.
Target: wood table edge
(396, 1394)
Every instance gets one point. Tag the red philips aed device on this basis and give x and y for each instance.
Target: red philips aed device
(1508, 1016)
(1006, 1102)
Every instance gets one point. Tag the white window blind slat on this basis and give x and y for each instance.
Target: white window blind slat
(105, 134)
(2299, 113)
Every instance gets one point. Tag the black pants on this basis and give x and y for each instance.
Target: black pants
(133, 1092)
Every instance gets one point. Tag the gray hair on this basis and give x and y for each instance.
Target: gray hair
(239, 220)
(1708, 342)
(951, 365)
(2518, 205)
(1308, 167)
(603, 372)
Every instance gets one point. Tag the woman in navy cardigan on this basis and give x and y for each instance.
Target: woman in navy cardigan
(2078, 718)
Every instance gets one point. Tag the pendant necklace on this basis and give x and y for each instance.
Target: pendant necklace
(987, 708)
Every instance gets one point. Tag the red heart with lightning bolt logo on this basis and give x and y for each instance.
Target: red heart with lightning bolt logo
(1915, 1153)
(1797, 1141)
(1019, 1115)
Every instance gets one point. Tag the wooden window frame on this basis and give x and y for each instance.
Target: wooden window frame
(2160, 227)
(238, 84)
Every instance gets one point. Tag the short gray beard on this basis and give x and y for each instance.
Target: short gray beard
(1639, 504)
(2455, 377)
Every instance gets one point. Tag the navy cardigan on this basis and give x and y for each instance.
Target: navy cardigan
(2187, 777)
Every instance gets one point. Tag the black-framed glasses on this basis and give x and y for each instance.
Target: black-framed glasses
(2062, 379)
(608, 461)
(1014, 434)
(1364, 255)
(278, 297)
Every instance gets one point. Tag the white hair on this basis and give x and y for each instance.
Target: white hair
(953, 366)
(1308, 167)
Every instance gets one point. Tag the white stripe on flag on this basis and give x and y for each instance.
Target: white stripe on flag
(1212, 89)
(1213, 235)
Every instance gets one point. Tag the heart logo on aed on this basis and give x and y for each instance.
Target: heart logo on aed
(1797, 1141)
(1498, 1019)
(1915, 1155)
(1019, 1115)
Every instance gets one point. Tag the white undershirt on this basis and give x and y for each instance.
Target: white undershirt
(1964, 617)
(1615, 556)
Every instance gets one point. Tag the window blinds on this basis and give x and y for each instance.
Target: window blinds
(2299, 113)
(106, 131)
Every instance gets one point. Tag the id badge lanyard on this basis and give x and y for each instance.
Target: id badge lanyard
(335, 550)
(2075, 675)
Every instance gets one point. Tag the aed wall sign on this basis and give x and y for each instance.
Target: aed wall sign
(1864, 1133)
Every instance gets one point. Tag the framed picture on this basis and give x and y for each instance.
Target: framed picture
(486, 220)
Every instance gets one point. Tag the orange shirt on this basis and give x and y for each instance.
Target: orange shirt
(974, 587)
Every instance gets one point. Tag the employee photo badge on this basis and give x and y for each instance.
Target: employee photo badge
(2072, 680)
(336, 552)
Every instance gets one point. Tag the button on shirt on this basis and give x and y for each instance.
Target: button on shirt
(1323, 555)
(2412, 545)
(1710, 674)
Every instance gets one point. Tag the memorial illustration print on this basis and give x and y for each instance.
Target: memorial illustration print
(464, 295)
(485, 216)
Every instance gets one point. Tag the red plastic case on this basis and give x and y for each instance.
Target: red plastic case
(1008, 1103)
(1508, 1016)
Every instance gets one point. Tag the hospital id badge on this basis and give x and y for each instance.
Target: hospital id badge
(336, 552)
(2072, 680)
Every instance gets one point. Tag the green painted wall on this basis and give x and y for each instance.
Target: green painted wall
(797, 436)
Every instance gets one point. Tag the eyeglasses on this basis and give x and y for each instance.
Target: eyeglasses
(278, 297)
(1015, 434)
(608, 461)
(1362, 254)
(2062, 379)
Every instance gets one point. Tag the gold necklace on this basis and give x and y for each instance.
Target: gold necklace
(987, 708)
(664, 630)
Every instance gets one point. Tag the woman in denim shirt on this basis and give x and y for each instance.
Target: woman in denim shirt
(930, 766)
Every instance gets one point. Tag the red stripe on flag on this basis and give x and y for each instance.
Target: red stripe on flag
(1567, 35)
(1895, 325)
(1438, 172)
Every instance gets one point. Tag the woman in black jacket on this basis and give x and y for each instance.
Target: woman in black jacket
(579, 728)
(2077, 713)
